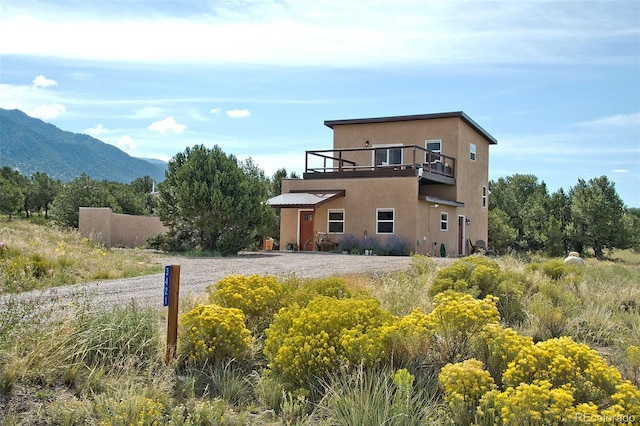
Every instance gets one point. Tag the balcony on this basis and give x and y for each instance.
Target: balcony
(391, 161)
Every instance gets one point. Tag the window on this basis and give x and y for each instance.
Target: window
(444, 221)
(472, 152)
(484, 196)
(387, 156)
(336, 222)
(435, 146)
(384, 221)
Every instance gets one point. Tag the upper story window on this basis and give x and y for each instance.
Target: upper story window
(336, 222)
(435, 146)
(385, 221)
(387, 155)
(444, 221)
(472, 152)
(484, 196)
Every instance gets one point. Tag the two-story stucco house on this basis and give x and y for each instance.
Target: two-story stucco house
(421, 178)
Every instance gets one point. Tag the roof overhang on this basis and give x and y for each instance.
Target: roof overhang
(305, 199)
(456, 114)
(436, 200)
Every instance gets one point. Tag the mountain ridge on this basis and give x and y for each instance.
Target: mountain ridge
(31, 145)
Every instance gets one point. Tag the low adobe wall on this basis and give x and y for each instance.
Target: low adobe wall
(118, 230)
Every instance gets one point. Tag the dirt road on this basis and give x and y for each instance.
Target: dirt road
(197, 273)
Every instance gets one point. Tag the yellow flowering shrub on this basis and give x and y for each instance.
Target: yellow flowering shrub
(500, 346)
(464, 383)
(625, 401)
(562, 362)
(456, 318)
(136, 410)
(304, 344)
(212, 333)
(330, 286)
(633, 359)
(258, 297)
(537, 403)
(408, 338)
(557, 381)
(476, 275)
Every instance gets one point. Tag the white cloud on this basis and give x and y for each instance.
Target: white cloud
(126, 143)
(238, 113)
(42, 81)
(148, 112)
(96, 131)
(331, 32)
(625, 121)
(169, 124)
(47, 111)
(215, 111)
(620, 171)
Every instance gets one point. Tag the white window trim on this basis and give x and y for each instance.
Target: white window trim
(445, 221)
(436, 151)
(473, 154)
(484, 197)
(393, 221)
(387, 147)
(335, 221)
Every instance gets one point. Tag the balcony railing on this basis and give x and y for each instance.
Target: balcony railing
(380, 161)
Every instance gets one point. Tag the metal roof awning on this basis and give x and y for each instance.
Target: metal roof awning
(304, 199)
(442, 201)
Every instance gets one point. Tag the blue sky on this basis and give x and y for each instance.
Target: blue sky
(557, 83)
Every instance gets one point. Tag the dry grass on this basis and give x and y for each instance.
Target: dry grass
(43, 256)
(91, 366)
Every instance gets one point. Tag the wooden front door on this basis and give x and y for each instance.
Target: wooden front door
(307, 237)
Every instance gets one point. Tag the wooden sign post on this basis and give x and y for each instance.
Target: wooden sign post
(171, 294)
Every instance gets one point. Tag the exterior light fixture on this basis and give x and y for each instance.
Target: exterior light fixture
(366, 143)
(468, 221)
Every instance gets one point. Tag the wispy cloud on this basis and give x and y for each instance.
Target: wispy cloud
(238, 113)
(625, 121)
(310, 33)
(169, 124)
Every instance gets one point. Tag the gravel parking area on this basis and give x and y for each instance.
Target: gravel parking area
(197, 273)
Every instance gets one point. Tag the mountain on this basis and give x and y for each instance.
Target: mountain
(30, 145)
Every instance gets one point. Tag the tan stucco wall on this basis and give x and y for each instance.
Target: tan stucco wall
(118, 230)
(417, 222)
(456, 136)
(471, 176)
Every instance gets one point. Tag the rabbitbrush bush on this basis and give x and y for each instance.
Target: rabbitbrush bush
(551, 382)
(305, 344)
(258, 297)
(475, 275)
(212, 333)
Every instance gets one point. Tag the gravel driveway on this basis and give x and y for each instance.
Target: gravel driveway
(197, 273)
